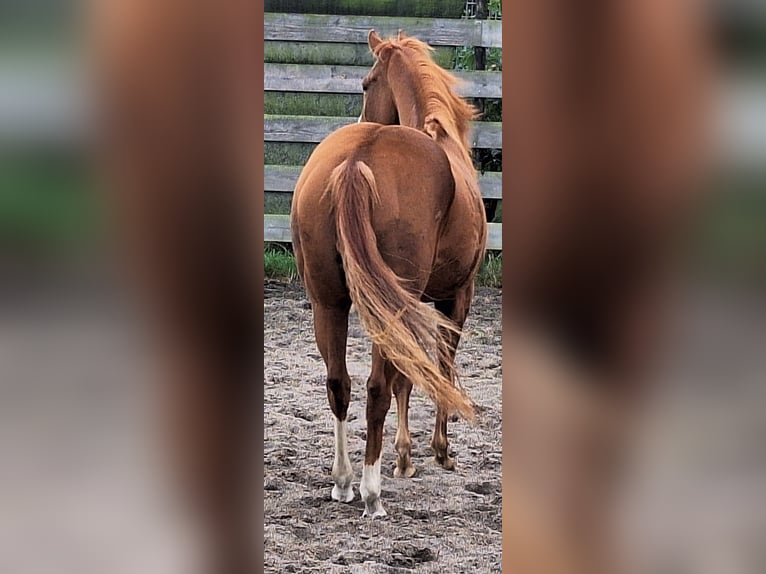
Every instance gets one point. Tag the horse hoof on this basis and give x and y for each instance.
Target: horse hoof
(342, 494)
(407, 473)
(446, 462)
(374, 509)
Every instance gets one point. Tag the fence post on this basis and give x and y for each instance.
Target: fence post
(480, 63)
(479, 52)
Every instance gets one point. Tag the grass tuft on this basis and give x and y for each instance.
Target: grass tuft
(279, 263)
(491, 272)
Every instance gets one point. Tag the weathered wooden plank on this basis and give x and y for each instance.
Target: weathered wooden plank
(303, 129)
(348, 80)
(487, 135)
(277, 228)
(282, 179)
(332, 28)
(491, 33)
(494, 236)
(421, 8)
(310, 129)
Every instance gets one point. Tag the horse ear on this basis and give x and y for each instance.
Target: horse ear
(401, 35)
(373, 39)
(384, 53)
(433, 127)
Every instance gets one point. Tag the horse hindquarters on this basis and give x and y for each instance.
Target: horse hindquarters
(405, 329)
(402, 328)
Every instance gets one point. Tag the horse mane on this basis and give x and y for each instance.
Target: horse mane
(445, 111)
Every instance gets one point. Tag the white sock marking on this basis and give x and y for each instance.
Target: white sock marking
(370, 489)
(342, 473)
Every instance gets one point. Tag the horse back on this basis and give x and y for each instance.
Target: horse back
(415, 188)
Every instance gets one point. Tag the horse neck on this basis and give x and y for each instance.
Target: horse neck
(409, 99)
(412, 108)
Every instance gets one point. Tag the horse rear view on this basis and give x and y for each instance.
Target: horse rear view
(390, 218)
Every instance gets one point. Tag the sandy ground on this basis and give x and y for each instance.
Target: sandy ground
(438, 521)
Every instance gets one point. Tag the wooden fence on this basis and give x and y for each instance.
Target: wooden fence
(292, 40)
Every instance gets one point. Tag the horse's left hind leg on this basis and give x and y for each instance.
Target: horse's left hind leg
(378, 403)
(331, 330)
(457, 310)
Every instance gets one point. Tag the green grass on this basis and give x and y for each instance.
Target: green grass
(491, 272)
(279, 263)
(277, 203)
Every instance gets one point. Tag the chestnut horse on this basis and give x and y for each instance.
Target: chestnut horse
(389, 218)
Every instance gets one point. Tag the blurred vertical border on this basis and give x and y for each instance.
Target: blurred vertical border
(75, 369)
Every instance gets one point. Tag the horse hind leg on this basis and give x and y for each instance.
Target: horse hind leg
(331, 330)
(440, 443)
(403, 441)
(457, 310)
(378, 403)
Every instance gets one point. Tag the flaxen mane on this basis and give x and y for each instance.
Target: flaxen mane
(446, 114)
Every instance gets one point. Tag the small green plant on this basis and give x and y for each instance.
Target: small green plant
(495, 9)
(279, 263)
(494, 61)
(464, 58)
(491, 272)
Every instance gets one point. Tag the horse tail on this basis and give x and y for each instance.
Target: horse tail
(409, 333)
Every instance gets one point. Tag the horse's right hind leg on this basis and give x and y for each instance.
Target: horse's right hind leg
(331, 330)
(457, 310)
(403, 441)
(378, 403)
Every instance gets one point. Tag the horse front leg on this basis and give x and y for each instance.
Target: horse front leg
(457, 310)
(331, 331)
(378, 403)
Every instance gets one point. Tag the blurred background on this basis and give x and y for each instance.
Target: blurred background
(81, 475)
(79, 490)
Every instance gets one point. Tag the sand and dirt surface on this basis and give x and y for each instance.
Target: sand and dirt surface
(438, 521)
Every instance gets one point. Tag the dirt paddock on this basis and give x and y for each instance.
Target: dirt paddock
(438, 521)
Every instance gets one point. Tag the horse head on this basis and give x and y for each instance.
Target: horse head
(378, 104)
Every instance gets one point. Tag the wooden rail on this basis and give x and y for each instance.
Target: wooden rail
(282, 179)
(276, 228)
(325, 78)
(311, 129)
(329, 28)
